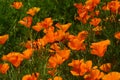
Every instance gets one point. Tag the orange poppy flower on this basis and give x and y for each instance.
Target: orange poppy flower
(64, 54)
(38, 27)
(54, 61)
(4, 38)
(95, 21)
(47, 22)
(50, 35)
(82, 13)
(77, 43)
(56, 78)
(105, 7)
(82, 35)
(112, 76)
(99, 48)
(114, 6)
(50, 38)
(88, 65)
(93, 2)
(105, 67)
(80, 67)
(27, 53)
(69, 36)
(58, 58)
(63, 27)
(33, 11)
(94, 74)
(26, 21)
(33, 76)
(59, 35)
(28, 44)
(97, 12)
(95, 67)
(4, 68)
(117, 35)
(38, 44)
(17, 5)
(83, 17)
(50, 28)
(75, 64)
(54, 47)
(41, 42)
(14, 57)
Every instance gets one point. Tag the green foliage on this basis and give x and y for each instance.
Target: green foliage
(62, 11)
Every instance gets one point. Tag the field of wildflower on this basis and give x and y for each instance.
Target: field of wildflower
(59, 39)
